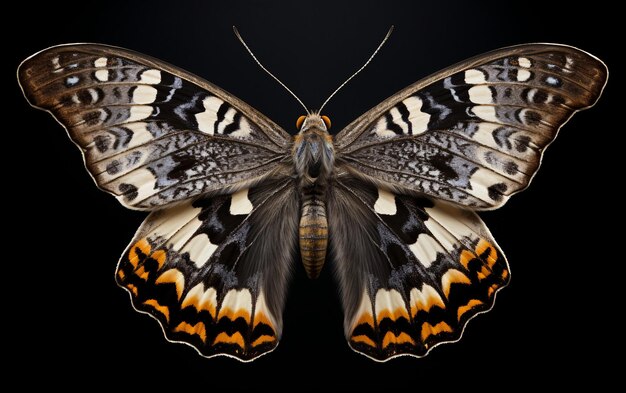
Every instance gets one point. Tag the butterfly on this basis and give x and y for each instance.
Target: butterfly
(391, 200)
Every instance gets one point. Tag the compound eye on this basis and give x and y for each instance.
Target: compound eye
(326, 121)
(300, 121)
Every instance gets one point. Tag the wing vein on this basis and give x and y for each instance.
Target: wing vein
(464, 158)
(349, 189)
(393, 171)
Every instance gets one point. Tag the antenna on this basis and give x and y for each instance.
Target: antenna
(359, 70)
(266, 70)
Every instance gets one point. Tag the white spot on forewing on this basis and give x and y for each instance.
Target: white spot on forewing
(244, 131)
(141, 134)
(484, 134)
(485, 112)
(100, 62)
(524, 62)
(111, 157)
(139, 112)
(474, 77)
(425, 249)
(237, 300)
(72, 80)
(55, 62)
(397, 119)
(144, 95)
(480, 180)
(200, 249)
(419, 120)
(480, 94)
(103, 159)
(102, 75)
(239, 203)
(569, 62)
(552, 81)
(143, 179)
(381, 130)
(151, 77)
(206, 120)
(228, 119)
(523, 75)
(386, 203)
(388, 300)
(93, 94)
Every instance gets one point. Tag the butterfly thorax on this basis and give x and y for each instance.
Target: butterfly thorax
(313, 156)
(313, 151)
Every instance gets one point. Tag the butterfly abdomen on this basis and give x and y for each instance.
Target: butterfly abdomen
(313, 234)
(313, 156)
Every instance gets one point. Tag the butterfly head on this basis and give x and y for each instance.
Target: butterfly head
(313, 151)
(313, 120)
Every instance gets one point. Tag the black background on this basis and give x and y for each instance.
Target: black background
(71, 321)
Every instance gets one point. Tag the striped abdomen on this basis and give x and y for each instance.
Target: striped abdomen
(313, 236)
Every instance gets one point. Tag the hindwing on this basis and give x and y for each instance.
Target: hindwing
(412, 271)
(214, 271)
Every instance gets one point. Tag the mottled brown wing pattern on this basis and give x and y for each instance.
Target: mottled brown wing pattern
(474, 134)
(211, 271)
(151, 134)
(212, 260)
(412, 271)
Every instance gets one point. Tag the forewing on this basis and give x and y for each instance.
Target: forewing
(214, 272)
(151, 134)
(474, 133)
(412, 271)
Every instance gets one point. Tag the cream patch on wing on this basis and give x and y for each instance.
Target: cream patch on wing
(386, 203)
(424, 299)
(206, 119)
(201, 299)
(144, 95)
(151, 77)
(236, 304)
(418, 119)
(240, 204)
(426, 249)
